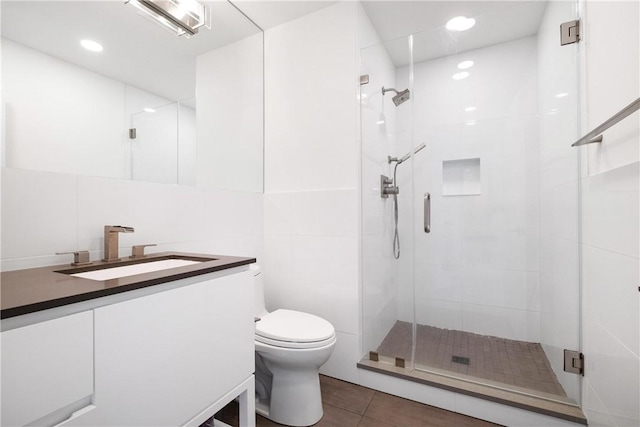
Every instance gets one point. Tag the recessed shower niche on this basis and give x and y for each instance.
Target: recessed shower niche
(461, 177)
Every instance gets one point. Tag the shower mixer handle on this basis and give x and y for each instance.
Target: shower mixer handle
(387, 187)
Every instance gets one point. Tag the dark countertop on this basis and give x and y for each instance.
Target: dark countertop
(35, 289)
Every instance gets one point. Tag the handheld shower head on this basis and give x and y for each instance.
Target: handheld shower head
(406, 156)
(400, 97)
(415, 151)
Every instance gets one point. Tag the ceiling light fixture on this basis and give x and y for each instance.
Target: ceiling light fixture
(91, 45)
(183, 17)
(465, 64)
(460, 23)
(461, 75)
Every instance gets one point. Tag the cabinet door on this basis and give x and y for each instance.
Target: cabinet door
(45, 367)
(164, 358)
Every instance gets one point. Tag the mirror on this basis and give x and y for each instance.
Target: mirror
(67, 109)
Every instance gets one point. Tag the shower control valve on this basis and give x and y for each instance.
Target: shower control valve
(387, 187)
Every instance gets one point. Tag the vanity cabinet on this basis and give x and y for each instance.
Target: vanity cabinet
(170, 355)
(46, 367)
(164, 358)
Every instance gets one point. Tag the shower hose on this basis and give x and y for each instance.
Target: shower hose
(396, 237)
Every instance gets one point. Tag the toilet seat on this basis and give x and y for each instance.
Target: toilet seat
(294, 329)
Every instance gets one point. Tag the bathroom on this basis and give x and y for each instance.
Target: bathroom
(304, 196)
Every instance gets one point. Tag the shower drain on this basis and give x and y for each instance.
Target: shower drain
(460, 359)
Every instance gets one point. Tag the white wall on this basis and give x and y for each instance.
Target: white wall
(311, 175)
(230, 130)
(477, 269)
(610, 216)
(377, 141)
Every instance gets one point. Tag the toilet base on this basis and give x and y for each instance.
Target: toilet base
(295, 400)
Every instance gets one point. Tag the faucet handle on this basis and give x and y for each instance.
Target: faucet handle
(137, 251)
(79, 257)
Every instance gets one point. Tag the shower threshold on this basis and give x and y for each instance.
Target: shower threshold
(485, 367)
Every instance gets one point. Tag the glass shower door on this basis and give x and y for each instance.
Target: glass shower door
(496, 283)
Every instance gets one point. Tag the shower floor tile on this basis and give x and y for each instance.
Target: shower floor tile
(519, 364)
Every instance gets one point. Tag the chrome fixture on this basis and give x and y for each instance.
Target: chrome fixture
(400, 97)
(183, 17)
(137, 251)
(111, 240)
(389, 187)
(79, 257)
(594, 135)
(406, 156)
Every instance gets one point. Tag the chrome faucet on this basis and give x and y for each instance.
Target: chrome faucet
(111, 240)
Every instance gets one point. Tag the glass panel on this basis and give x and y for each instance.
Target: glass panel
(387, 244)
(491, 294)
(496, 285)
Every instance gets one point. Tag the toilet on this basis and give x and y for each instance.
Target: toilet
(290, 346)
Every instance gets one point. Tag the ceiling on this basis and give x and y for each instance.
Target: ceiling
(496, 22)
(147, 56)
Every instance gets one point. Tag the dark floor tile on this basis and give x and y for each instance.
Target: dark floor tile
(344, 395)
(338, 417)
(399, 412)
(370, 422)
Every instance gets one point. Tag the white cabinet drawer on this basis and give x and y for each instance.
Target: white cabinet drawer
(164, 358)
(46, 366)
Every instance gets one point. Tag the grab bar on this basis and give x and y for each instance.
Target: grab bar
(591, 136)
(427, 213)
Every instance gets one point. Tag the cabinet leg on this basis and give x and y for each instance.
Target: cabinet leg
(247, 401)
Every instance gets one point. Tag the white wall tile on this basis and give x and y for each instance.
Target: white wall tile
(611, 209)
(620, 146)
(611, 294)
(39, 214)
(342, 363)
(311, 128)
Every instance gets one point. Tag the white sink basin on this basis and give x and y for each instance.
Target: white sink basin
(132, 270)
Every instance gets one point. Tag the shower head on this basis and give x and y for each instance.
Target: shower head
(400, 97)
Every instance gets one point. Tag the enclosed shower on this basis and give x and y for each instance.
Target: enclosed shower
(478, 293)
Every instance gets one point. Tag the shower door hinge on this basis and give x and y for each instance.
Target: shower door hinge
(132, 133)
(569, 32)
(364, 79)
(573, 362)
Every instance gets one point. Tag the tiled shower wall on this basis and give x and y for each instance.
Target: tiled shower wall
(477, 270)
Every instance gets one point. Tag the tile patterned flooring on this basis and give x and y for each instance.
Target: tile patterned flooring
(520, 364)
(350, 405)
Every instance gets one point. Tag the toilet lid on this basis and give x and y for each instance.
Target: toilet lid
(294, 326)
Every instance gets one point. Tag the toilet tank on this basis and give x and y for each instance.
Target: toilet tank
(259, 306)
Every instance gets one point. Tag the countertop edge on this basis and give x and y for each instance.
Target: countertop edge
(100, 293)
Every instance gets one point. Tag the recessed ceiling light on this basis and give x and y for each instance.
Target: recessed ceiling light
(470, 109)
(461, 75)
(91, 45)
(561, 95)
(460, 23)
(465, 64)
(150, 110)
